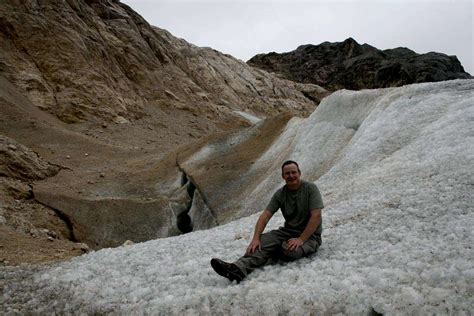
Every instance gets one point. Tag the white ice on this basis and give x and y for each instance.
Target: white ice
(395, 167)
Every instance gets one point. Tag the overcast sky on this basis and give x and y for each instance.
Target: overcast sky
(246, 28)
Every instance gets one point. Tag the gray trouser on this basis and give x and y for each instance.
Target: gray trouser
(274, 246)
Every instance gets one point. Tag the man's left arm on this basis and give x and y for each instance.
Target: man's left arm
(313, 224)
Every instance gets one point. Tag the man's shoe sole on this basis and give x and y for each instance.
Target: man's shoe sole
(218, 267)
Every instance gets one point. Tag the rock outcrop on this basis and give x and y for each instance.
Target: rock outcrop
(349, 65)
(21, 163)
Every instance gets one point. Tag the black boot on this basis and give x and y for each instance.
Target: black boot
(227, 270)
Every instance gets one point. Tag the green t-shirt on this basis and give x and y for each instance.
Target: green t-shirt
(296, 205)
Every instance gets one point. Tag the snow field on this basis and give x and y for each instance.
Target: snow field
(397, 227)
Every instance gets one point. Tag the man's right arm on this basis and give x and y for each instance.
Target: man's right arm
(259, 228)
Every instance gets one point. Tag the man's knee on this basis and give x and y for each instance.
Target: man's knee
(270, 241)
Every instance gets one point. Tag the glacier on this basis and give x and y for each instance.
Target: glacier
(396, 170)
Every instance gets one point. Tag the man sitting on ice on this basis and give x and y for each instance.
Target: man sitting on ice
(301, 204)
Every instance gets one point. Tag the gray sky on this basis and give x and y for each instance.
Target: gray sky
(246, 28)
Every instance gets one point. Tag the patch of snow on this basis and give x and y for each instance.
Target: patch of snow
(397, 238)
(249, 117)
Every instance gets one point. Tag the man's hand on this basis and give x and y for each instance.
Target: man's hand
(294, 243)
(259, 228)
(254, 245)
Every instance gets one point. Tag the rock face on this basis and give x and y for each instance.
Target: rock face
(349, 65)
(100, 61)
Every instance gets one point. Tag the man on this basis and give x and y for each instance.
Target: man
(301, 204)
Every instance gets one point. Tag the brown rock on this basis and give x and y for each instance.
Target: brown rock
(20, 162)
(115, 66)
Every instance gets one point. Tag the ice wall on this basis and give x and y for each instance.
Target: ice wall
(395, 167)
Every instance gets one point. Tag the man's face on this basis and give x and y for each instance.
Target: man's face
(291, 175)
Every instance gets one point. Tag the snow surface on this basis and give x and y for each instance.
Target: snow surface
(395, 167)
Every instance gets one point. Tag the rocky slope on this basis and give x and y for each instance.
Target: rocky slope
(349, 65)
(91, 88)
(100, 61)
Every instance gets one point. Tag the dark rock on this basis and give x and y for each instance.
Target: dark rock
(349, 65)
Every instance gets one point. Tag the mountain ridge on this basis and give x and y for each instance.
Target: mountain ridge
(350, 65)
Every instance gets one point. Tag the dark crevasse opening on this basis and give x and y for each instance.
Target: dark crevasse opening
(183, 220)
